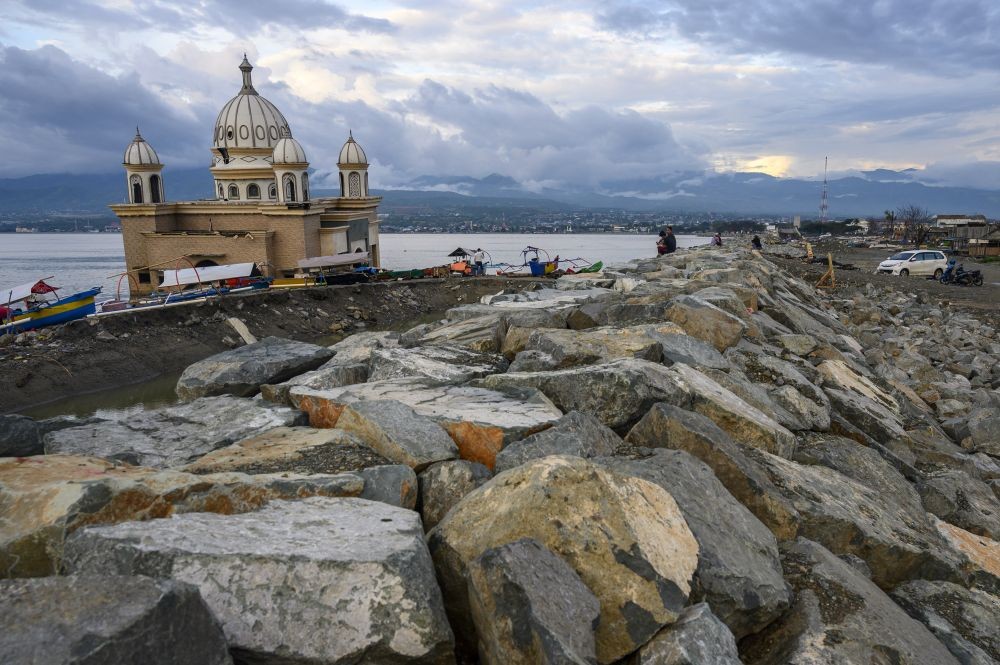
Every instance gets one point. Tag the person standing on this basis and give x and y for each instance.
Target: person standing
(670, 240)
(478, 260)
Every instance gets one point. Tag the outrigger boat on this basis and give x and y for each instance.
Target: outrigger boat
(540, 266)
(189, 284)
(41, 306)
(331, 270)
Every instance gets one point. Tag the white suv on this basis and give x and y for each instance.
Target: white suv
(916, 262)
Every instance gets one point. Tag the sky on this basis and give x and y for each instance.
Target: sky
(553, 94)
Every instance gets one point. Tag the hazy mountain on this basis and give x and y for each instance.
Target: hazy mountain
(866, 193)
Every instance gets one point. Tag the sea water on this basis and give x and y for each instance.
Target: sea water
(77, 261)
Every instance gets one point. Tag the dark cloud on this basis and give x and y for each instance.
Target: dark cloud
(61, 115)
(954, 34)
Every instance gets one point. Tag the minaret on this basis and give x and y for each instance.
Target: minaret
(353, 166)
(142, 171)
(246, 68)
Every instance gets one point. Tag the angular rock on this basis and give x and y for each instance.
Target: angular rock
(532, 361)
(447, 364)
(964, 620)
(98, 619)
(357, 348)
(398, 433)
(356, 582)
(866, 414)
(529, 607)
(617, 393)
(705, 321)
(839, 616)
(739, 573)
(983, 555)
(667, 426)
(301, 450)
(241, 371)
(443, 485)
(740, 420)
(570, 348)
(587, 316)
(959, 499)
(800, 345)
(19, 437)
(333, 374)
(484, 334)
(682, 348)
(45, 498)
(479, 420)
(576, 433)
(892, 535)
(697, 638)
(624, 537)
(174, 435)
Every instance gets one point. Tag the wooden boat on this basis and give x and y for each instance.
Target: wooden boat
(42, 307)
(593, 267)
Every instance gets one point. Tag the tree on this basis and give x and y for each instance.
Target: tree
(915, 222)
(890, 223)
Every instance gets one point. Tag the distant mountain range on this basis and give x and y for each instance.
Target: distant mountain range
(867, 193)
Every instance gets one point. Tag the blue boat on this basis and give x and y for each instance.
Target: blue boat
(36, 305)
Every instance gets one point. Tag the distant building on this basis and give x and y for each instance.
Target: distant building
(962, 229)
(988, 245)
(262, 212)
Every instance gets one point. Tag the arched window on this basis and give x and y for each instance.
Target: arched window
(343, 192)
(272, 191)
(234, 192)
(222, 192)
(136, 183)
(354, 180)
(154, 189)
(253, 191)
(288, 182)
(366, 183)
(305, 186)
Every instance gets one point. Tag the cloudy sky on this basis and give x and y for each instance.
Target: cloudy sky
(550, 93)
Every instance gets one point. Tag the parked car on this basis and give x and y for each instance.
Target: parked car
(915, 262)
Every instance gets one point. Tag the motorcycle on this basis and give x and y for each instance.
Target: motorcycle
(968, 277)
(948, 276)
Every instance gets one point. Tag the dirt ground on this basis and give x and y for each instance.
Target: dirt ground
(983, 301)
(131, 349)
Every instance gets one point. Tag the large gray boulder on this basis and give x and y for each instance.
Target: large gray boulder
(398, 433)
(667, 426)
(570, 348)
(357, 348)
(355, 578)
(962, 500)
(483, 334)
(444, 484)
(447, 364)
(617, 393)
(839, 616)
(624, 536)
(333, 374)
(107, 620)
(682, 348)
(576, 433)
(479, 420)
(705, 321)
(698, 638)
(241, 371)
(530, 607)
(739, 573)
(174, 435)
(19, 437)
(964, 620)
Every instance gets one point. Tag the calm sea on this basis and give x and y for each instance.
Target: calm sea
(77, 261)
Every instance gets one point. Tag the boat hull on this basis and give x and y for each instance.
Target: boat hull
(68, 309)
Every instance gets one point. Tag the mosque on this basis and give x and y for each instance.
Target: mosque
(262, 211)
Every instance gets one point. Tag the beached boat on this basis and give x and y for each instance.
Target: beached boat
(36, 305)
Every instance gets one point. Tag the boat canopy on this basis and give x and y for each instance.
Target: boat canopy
(335, 260)
(461, 251)
(19, 293)
(209, 274)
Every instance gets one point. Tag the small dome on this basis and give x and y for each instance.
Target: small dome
(351, 153)
(289, 151)
(248, 120)
(139, 153)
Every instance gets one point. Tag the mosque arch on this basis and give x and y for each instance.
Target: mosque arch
(253, 191)
(305, 186)
(136, 183)
(272, 191)
(234, 192)
(354, 183)
(288, 183)
(343, 191)
(155, 189)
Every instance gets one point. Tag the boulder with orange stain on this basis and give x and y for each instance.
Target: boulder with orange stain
(481, 421)
(45, 498)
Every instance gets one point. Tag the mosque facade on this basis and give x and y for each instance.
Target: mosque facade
(262, 210)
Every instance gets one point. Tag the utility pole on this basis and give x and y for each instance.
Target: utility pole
(823, 205)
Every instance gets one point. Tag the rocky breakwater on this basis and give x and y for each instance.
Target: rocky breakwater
(691, 459)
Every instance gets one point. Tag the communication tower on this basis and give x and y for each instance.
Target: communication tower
(823, 205)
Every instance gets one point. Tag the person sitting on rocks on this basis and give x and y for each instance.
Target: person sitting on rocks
(717, 240)
(661, 244)
(755, 243)
(671, 240)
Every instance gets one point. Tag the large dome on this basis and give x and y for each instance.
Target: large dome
(352, 154)
(140, 153)
(248, 120)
